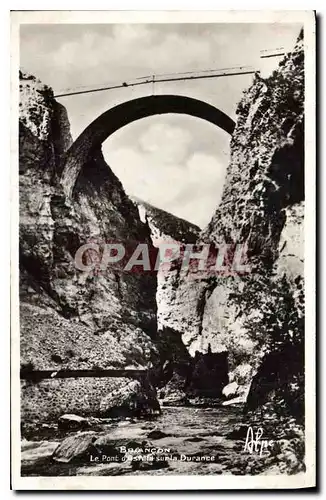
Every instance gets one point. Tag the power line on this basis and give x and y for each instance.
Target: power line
(173, 77)
(154, 79)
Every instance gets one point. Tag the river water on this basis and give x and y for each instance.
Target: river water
(188, 433)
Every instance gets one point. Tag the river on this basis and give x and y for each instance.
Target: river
(195, 440)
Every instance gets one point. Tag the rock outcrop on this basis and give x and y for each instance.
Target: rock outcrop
(179, 376)
(72, 422)
(136, 398)
(166, 229)
(70, 318)
(165, 226)
(260, 313)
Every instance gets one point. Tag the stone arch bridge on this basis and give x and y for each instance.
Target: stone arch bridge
(110, 121)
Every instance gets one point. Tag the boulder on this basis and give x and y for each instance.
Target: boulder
(230, 390)
(173, 393)
(235, 401)
(132, 399)
(75, 448)
(80, 447)
(72, 422)
(157, 434)
(176, 399)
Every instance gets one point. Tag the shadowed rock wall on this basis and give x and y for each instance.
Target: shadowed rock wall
(68, 318)
(262, 207)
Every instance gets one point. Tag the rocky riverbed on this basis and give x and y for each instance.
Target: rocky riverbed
(179, 441)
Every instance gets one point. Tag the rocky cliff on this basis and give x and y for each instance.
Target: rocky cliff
(178, 375)
(253, 315)
(68, 318)
(165, 226)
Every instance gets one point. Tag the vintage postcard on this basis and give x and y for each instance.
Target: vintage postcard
(163, 250)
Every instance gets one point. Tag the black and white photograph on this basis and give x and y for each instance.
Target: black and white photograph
(164, 292)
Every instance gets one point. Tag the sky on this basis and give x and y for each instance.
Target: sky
(175, 162)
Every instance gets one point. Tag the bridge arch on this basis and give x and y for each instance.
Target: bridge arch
(117, 117)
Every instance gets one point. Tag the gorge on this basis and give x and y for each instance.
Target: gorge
(231, 347)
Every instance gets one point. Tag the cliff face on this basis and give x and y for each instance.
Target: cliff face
(78, 320)
(165, 226)
(179, 375)
(262, 207)
(73, 319)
